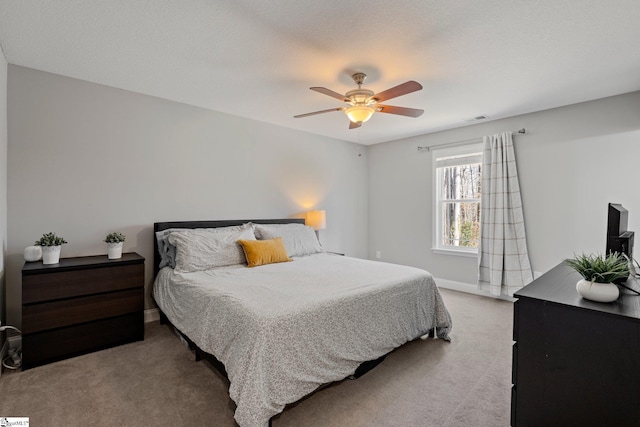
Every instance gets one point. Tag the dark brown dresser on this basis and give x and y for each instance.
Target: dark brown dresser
(575, 362)
(80, 305)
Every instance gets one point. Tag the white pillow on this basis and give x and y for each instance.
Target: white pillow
(299, 239)
(204, 248)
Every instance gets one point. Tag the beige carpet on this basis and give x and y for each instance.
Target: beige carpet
(156, 382)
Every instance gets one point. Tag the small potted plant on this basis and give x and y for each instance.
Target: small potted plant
(50, 245)
(114, 244)
(599, 274)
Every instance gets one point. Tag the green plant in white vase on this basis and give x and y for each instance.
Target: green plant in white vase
(51, 245)
(599, 274)
(114, 244)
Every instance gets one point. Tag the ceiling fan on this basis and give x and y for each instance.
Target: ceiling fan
(363, 102)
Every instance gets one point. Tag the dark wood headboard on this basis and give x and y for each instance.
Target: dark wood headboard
(159, 226)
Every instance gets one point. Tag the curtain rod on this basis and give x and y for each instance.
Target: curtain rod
(466, 141)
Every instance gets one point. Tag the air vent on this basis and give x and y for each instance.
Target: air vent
(476, 118)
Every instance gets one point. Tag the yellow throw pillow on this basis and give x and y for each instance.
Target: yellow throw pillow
(262, 252)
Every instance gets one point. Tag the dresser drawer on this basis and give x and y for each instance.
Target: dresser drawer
(65, 284)
(56, 314)
(45, 347)
(516, 319)
(514, 364)
(514, 405)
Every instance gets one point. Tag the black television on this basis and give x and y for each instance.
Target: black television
(619, 239)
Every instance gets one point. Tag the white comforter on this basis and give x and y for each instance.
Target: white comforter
(282, 330)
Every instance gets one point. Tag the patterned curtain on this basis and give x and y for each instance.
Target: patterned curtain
(503, 262)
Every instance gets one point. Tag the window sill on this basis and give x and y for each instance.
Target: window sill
(463, 253)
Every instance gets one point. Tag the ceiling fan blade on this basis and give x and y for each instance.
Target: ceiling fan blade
(399, 90)
(331, 93)
(401, 111)
(318, 112)
(354, 125)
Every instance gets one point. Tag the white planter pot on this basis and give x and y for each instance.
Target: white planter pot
(51, 254)
(115, 250)
(600, 292)
(32, 253)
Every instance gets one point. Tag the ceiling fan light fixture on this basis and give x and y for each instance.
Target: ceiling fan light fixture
(359, 113)
(362, 103)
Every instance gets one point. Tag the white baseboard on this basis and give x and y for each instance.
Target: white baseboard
(151, 315)
(470, 288)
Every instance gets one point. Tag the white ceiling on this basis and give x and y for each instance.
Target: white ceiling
(257, 59)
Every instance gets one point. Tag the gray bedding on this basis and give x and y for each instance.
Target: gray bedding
(282, 330)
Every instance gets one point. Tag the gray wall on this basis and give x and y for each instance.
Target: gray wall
(87, 159)
(572, 162)
(3, 185)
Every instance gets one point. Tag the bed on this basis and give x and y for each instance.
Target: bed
(283, 329)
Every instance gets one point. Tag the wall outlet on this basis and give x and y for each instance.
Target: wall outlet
(378, 255)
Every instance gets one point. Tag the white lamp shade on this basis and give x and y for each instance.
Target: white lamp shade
(316, 219)
(359, 113)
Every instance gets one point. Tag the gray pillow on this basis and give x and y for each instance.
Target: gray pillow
(167, 250)
(299, 239)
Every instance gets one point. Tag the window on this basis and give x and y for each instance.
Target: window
(457, 199)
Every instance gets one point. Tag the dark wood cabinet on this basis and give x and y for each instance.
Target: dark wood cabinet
(80, 305)
(575, 362)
